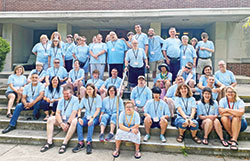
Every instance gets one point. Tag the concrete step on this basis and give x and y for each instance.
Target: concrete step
(154, 144)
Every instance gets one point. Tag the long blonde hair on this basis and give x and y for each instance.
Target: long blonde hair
(236, 97)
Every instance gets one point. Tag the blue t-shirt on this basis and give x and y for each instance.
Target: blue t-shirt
(42, 52)
(186, 104)
(98, 83)
(56, 53)
(74, 75)
(32, 92)
(207, 109)
(109, 105)
(156, 108)
(171, 91)
(60, 72)
(116, 51)
(41, 74)
(236, 106)
(54, 94)
(205, 53)
(16, 81)
(69, 49)
(142, 40)
(136, 57)
(66, 107)
(166, 76)
(188, 54)
(226, 78)
(203, 80)
(185, 75)
(81, 53)
(115, 82)
(91, 105)
(172, 47)
(128, 119)
(154, 48)
(141, 95)
(96, 48)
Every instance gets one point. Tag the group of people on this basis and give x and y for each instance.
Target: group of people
(60, 86)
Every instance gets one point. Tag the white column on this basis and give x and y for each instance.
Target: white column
(64, 29)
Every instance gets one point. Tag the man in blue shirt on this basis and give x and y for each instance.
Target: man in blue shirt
(32, 95)
(154, 51)
(171, 51)
(141, 37)
(68, 50)
(116, 49)
(188, 73)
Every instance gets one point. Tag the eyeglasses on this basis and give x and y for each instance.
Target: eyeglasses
(56, 62)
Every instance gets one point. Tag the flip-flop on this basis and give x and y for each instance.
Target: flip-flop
(205, 141)
(46, 147)
(224, 143)
(234, 145)
(137, 155)
(62, 149)
(117, 153)
(180, 138)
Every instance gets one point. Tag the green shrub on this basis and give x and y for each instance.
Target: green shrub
(4, 49)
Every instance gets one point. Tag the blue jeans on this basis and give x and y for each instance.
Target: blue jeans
(20, 108)
(45, 106)
(90, 129)
(243, 125)
(106, 119)
(179, 121)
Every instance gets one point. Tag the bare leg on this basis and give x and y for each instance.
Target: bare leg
(137, 147)
(218, 129)
(50, 128)
(147, 123)
(171, 106)
(193, 132)
(118, 144)
(11, 97)
(208, 126)
(102, 129)
(236, 125)
(181, 131)
(112, 128)
(71, 131)
(227, 125)
(163, 124)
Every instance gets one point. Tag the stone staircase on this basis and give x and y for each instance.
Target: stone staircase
(34, 132)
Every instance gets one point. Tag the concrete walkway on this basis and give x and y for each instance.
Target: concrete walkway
(12, 152)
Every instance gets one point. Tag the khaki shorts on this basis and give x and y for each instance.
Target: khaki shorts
(201, 64)
(154, 65)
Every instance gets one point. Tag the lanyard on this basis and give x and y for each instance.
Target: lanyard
(139, 94)
(156, 108)
(76, 75)
(113, 43)
(152, 43)
(113, 82)
(45, 48)
(185, 104)
(135, 53)
(228, 103)
(137, 36)
(130, 121)
(95, 81)
(184, 50)
(66, 106)
(164, 76)
(33, 91)
(112, 106)
(53, 94)
(90, 106)
(207, 109)
(40, 72)
(55, 72)
(55, 52)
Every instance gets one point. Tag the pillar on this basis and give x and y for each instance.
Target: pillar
(64, 29)
(156, 27)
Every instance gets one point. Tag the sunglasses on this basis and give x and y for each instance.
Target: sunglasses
(188, 67)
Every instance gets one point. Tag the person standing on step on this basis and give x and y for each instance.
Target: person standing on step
(16, 83)
(56, 51)
(129, 42)
(31, 98)
(92, 104)
(141, 38)
(109, 112)
(171, 51)
(156, 114)
(41, 72)
(68, 49)
(65, 119)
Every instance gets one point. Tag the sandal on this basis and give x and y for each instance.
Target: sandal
(46, 147)
(234, 145)
(116, 153)
(46, 118)
(224, 143)
(9, 115)
(180, 138)
(196, 139)
(205, 141)
(137, 154)
(62, 149)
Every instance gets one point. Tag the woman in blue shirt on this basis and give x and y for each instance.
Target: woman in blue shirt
(53, 93)
(186, 109)
(68, 49)
(207, 112)
(16, 83)
(56, 51)
(232, 109)
(92, 104)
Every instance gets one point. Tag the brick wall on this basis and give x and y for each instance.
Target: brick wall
(48, 5)
(239, 69)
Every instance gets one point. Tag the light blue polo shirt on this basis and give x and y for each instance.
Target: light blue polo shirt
(40, 74)
(32, 92)
(116, 51)
(16, 81)
(74, 75)
(66, 107)
(161, 76)
(141, 95)
(188, 54)
(54, 94)
(203, 80)
(115, 82)
(142, 40)
(42, 52)
(56, 53)
(226, 78)
(98, 83)
(69, 49)
(172, 47)
(237, 105)
(207, 109)
(91, 105)
(96, 48)
(186, 105)
(61, 72)
(82, 53)
(154, 48)
(125, 119)
(205, 53)
(185, 75)
(109, 105)
(171, 91)
(136, 57)
(156, 108)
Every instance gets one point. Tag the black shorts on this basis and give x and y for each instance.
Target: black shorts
(155, 124)
(9, 92)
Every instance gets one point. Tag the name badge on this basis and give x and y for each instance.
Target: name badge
(152, 52)
(46, 54)
(31, 100)
(88, 117)
(183, 57)
(136, 63)
(156, 119)
(113, 49)
(138, 102)
(51, 104)
(64, 117)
